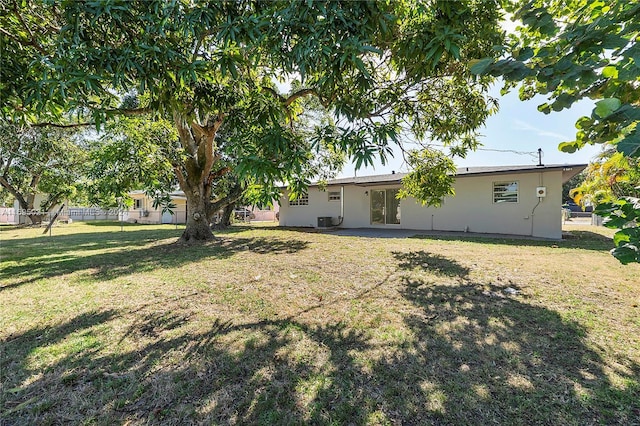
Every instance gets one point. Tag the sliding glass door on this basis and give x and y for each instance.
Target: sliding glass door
(385, 207)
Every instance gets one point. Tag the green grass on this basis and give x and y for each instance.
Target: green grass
(284, 326)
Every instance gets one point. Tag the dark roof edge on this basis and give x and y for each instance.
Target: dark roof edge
(461, 172)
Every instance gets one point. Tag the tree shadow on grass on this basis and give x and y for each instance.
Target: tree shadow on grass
(435, 263)
(501, 360)
(469, 358)
(129, 252)
(225, 374)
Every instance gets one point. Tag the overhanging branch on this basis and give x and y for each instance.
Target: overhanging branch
(7, 185)
(63, 126)
(299, 94)
(293, 97)
(125, 112)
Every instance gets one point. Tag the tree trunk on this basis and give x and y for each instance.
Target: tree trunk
(194, 175)
(36, 219)
(226, 215)
(197, 228)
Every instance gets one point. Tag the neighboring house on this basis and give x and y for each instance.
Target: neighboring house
(516, 200)
(142, 210)
(264, 213)
(8, 215)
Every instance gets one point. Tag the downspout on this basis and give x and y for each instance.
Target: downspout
(532, 213)
(341, 217)
(537, 204)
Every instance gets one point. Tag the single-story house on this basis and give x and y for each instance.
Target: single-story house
(515, 200)
(9, 215)
(142, 210)
(264, 213)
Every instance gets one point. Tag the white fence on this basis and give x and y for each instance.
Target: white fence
(8, 215)
(87, 214)
(82, 214)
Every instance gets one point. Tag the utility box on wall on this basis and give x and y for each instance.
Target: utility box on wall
(324, 221)
(541, 191)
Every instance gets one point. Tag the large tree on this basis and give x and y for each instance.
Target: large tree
(380, 68)
(571, 50)
(34, 161)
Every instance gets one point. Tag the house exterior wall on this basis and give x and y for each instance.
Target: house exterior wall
(472, 208)
(319, 206)
(9, 215)
(268, 214)
(147, 214)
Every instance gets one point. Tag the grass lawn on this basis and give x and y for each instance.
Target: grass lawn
(273, 326)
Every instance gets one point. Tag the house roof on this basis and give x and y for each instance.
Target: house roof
(569, 170)
(175, 195)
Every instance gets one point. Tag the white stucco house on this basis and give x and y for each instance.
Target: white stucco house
(142, 210)
(514, 200)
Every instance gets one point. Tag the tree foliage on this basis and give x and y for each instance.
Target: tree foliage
(132, 153)
(432, 178)
(382, 70)
(570, 185)
(611, 177)
(571, 50)
(623, 214)
(46, 161)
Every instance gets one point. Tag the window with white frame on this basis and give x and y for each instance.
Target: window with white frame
(137, 203)
(505, 192)
(334, 195)
(302, 200)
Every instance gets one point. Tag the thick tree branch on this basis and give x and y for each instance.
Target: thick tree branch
(274, 93)
(125, 112)
(181, 180)
(233, 196)
(299, 94)
(5, 172)
(35, 180)
(7, 185)
(185, 136)
(293, 97)
(51, 202)
(210, 156)
(63, 126)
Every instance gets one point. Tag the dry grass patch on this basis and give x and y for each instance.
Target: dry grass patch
(273, 326)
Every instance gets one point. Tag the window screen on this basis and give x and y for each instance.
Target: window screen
(505, 192)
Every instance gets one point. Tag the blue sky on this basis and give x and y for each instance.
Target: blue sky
(518, 126)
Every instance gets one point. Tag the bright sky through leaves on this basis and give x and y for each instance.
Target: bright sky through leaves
(518, 126)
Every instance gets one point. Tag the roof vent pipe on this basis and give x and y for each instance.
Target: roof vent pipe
(540, 157)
